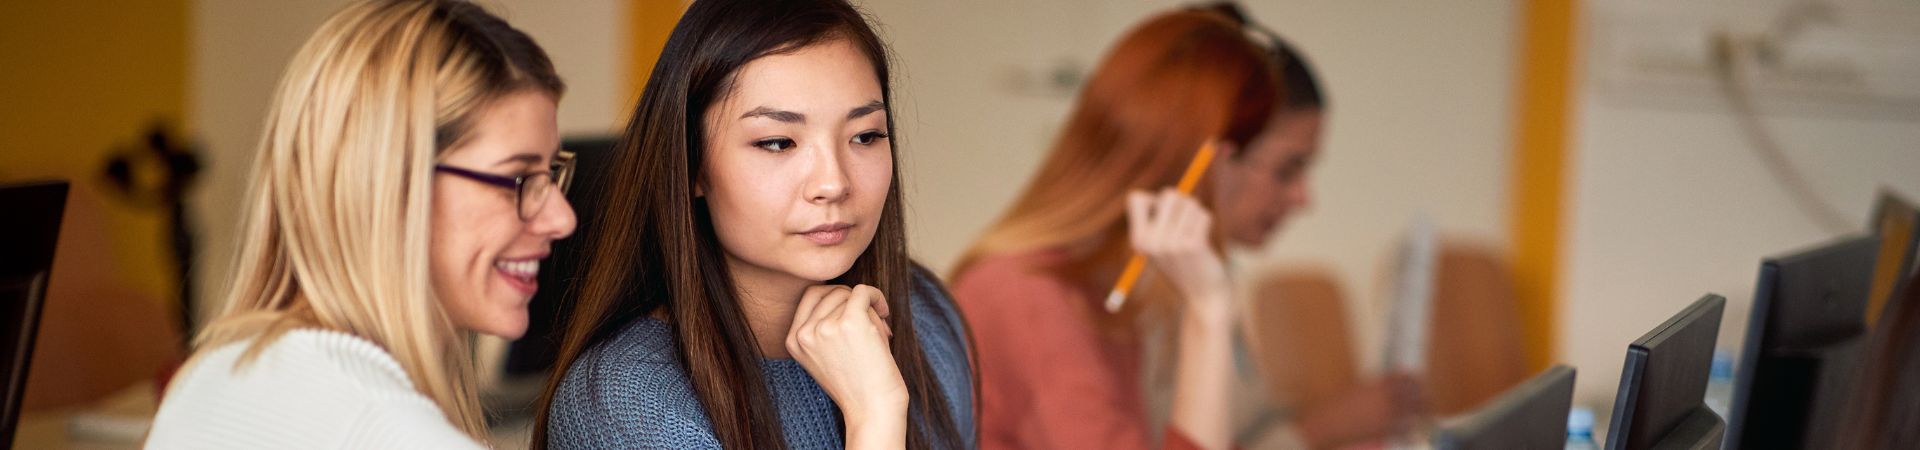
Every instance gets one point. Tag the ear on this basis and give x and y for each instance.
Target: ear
(700, 186)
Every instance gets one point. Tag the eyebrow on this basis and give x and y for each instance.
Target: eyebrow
(1297, 162)
(794, 117)
(770, 113)
(866, 109)
(530, 159)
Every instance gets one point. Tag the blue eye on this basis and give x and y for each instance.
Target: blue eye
(776, 145)
(868, 138)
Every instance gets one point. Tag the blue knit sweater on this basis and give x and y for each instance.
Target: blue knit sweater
(630, 392)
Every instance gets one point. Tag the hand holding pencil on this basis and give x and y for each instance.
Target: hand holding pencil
(1173, 230)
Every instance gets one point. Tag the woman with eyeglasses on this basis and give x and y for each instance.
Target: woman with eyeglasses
(407, 188)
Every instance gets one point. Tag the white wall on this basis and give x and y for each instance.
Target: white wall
(1420, 107)
(1668, 200)
(240, 48)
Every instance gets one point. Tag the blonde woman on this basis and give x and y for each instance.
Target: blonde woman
(402, 200)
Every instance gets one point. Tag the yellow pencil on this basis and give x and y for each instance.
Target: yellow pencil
(1138, 262)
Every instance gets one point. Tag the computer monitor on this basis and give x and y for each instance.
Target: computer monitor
(1663, 387)
(27, 239)
(1897, 222)
(1531, 415)
(1804, 338)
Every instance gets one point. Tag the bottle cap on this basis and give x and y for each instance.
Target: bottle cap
(1580, 420)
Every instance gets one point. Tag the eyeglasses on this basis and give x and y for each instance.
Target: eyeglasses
(530, 190)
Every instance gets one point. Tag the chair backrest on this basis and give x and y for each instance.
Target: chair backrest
(1300, 337)
(1303, 341)
(1478, 350)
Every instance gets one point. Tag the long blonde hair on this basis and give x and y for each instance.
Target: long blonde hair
(1171, 83)
(337, 219)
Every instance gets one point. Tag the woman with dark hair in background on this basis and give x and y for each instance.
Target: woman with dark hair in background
(1056, 370)
(1268, 184)
(748, 284)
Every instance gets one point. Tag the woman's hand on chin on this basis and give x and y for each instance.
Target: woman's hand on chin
(840, 335)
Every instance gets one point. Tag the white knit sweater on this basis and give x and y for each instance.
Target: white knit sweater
(309, 389)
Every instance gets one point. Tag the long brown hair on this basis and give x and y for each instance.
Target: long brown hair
(1172, 83)
(654, 248)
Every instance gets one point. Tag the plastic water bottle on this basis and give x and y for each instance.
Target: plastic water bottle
(1720, 383)
(1580, 429)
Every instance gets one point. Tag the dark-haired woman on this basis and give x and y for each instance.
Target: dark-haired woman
(749, 283)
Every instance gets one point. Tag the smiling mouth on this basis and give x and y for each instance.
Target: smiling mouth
(829, 234)
(522, 274)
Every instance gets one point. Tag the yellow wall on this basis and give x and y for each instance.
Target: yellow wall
(84, 78)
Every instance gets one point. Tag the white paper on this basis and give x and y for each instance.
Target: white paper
(1411, 307)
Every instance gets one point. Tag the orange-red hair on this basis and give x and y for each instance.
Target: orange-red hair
(1172, 83)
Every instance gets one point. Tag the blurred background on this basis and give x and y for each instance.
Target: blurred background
(1613, 159)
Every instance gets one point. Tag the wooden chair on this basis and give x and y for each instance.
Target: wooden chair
(1297, 330)
(1478, 349)
(1303, 344)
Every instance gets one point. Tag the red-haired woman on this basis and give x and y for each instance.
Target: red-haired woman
(1058, 371)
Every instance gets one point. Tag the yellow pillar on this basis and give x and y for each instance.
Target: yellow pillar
(1543, 104)
(649, 22)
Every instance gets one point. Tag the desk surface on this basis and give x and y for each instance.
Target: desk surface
(115, 422)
